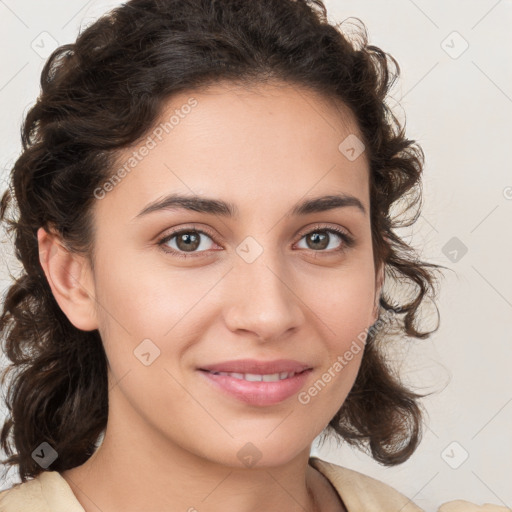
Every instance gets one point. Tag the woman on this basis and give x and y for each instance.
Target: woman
(204, 223)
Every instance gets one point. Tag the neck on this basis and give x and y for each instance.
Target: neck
(134, 471)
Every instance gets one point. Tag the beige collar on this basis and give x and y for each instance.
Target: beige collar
(362, 493)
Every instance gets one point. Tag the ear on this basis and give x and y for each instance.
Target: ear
(379, 282)
(70, 279)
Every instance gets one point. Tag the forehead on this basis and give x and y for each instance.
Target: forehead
(264, 141)
(266, 108)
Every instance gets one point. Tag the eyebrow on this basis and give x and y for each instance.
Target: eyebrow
(226, 209)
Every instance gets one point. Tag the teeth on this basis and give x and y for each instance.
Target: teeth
(254, 377)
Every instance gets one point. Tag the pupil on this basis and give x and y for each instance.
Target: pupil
(191, 241)
(319, 238)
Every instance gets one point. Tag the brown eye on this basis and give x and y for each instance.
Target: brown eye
(323, 239)
(192, 242)
(318, 240)
(188, 241)
(184, 243)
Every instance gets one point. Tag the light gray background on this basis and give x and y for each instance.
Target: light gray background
(458, 106)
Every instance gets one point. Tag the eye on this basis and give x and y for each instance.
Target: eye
(189, 242)
(321, 237)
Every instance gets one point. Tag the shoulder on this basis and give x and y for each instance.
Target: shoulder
(362, 492)
(27, 495)
(47, 492)
(466, 506)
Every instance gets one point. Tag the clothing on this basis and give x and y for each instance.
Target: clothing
(362, 493)
(49, 492)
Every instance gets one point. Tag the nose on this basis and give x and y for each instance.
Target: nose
(262, 300)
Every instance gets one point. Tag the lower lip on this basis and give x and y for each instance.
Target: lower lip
(259, 392)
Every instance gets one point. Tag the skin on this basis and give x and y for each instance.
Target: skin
(172, 440)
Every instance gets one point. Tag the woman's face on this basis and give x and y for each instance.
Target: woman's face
(264, 282)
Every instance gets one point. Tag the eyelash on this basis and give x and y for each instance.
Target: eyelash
(348, 241)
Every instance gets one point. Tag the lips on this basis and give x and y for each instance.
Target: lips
(253, 392)
(256, 382)
(254, 366)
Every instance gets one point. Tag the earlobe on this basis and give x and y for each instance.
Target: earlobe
(70, 280)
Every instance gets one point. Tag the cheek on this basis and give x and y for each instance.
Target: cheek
(342, 300)
(342, 308)
(141, 299)
(147, 299)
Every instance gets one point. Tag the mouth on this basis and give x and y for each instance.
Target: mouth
(263, 389)
(257, 367)
(259, 377)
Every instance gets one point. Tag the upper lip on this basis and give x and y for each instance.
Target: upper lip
(258, 367)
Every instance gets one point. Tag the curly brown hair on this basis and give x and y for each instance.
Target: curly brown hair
(103, 93)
